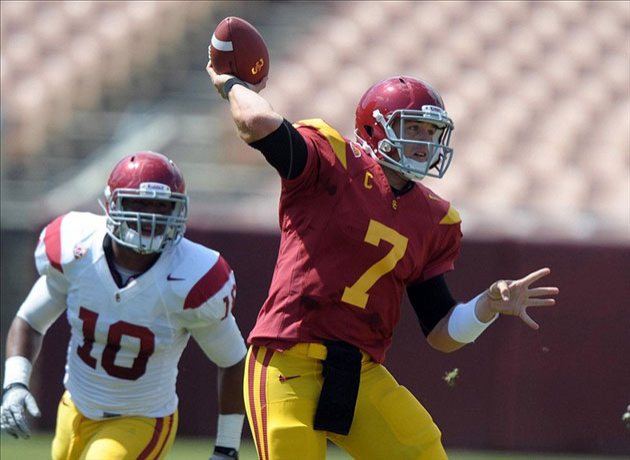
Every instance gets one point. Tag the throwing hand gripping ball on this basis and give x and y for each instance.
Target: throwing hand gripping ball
(237, 48)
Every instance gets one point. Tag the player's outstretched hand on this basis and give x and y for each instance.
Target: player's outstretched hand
(12, 418)
(513, 297)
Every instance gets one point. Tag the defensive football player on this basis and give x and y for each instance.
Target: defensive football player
(134, 290)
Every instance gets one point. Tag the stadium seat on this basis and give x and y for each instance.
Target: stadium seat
(87, 57)
(537, 89)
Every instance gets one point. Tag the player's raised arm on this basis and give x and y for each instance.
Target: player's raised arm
(238, 65)
(253, 115)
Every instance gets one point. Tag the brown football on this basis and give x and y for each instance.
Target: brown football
(238, 48)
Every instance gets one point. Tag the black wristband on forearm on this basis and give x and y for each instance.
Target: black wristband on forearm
(227, 87)
(13, 385)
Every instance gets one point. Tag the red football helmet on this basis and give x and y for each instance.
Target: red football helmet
(380, 121)
(146, 176)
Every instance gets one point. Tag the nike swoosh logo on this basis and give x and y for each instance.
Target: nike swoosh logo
(283, 379)
(433, 197)
(172, 278)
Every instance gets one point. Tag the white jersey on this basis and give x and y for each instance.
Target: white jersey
(126, 342)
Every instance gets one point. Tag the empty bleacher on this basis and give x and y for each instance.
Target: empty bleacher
(539, 92)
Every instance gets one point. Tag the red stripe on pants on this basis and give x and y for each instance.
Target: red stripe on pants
(168, 435)
(157, 431)
(260, 432)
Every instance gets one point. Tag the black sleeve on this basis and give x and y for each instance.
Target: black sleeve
(431, 300)
(284, 149)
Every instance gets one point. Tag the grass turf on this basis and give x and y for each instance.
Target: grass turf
(38, 448)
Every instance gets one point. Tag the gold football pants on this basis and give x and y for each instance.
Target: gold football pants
(281, 392)
(117, 438)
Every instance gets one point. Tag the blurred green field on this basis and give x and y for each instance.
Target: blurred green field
(38, 448)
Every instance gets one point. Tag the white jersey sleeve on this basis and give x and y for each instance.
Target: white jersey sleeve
(207, 298)
(222, 342)
(47, 299)
(44, 304)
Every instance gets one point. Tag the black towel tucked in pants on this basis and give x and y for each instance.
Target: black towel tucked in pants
(337, 400)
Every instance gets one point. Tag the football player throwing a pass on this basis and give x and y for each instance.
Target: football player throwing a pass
(358, 229)
(134, 291)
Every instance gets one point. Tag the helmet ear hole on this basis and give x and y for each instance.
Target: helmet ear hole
(368, 129)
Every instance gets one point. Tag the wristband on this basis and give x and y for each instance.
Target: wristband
(17, 369)
(226, 451)
(229, 428)
(14, 385)
(227, 87)
(463, 324)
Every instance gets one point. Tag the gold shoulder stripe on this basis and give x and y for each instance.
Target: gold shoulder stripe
(335, 139)
(451, 217)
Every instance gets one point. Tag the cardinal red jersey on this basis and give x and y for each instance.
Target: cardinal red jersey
(349, 247)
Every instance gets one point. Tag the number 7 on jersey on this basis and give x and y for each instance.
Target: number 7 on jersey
(357, 293)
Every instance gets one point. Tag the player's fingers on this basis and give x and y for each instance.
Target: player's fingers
(23, 430)
(543, 291)
(504, 290)
(528, 320)
(14, 425)
(31, 406)
(540, 302)
(20, 425)
(499, 290)
(8, 429)
(5, 424)
(209, 69)
(535, 276)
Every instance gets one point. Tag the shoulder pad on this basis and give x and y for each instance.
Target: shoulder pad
(198, 274)
(66, 239)
(336, 140)
(451, 217)
(442, 210)
(209, 284)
